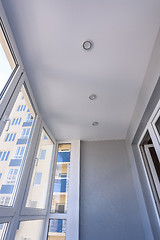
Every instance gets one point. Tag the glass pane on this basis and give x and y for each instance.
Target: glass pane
(29, 230)
(7, 63)
(57, 229)
(3, 230)
(152, 166)
(41, 173)
(61, 183)
(158, 125)
(13, 148)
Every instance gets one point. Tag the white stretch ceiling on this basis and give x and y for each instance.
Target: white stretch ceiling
(49, 35)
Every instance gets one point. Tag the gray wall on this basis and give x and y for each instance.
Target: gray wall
(108, 205)
(146, 102)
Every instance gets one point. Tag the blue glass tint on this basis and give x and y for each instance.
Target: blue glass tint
(57, 229)
(61, 181)
(63, 157)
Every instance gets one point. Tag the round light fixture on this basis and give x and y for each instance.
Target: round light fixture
(87, 45)
(95, 124)
(93, 96)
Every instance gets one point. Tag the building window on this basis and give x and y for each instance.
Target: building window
(12, 176)
(42, 154)
(29, 118)
(38, 178)
(21, 108)
(45, 137)
(10, 137)
(8, 63)
(19, 152)
(57, 229)
(16, 121)
(4, 201)
(25, 133)
(4, 155)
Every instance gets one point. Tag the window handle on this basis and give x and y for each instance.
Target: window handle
(6, 119)
(36, 162)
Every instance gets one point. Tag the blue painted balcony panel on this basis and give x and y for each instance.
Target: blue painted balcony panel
(27, 124)
(60, 185)
(6, 189)
(57, 225)
(21, 141)
(63, 157)
(15, 162)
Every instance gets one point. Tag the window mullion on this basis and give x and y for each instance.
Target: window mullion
(155, 140)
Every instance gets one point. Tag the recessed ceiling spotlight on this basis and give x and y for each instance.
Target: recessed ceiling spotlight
(87, 45)
(93, 96)
(95, 124)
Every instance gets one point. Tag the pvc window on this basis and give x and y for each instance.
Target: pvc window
(8, 61)
(156, 125)
(41, 173)
(150, 153)
(14, 155)
(19, 164)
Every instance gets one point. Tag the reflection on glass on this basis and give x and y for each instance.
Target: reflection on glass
(29, 230)
(3, 230)
(61, 183)
(41, 173)
(158, 125)
(7, 63)
(57, 229)
(13, 146)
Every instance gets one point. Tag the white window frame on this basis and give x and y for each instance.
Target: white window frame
(18, 212)
(154, 126)
(8, 92)
(72, 215)
(151, 129)
(35, 211)
(10, 211)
